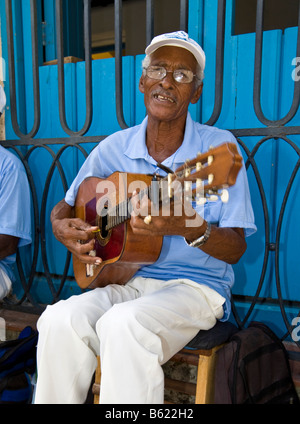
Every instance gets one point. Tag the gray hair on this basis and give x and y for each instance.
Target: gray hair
(199, 71)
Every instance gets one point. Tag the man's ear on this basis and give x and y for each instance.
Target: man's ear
(141, 84)
(197, 94)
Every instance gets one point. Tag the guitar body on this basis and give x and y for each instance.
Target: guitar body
(105, 203)
(122, 252)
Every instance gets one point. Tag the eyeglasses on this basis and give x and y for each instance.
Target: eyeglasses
(183, 76)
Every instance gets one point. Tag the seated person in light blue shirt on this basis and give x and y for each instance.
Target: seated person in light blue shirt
(15, 220)
(137, 326)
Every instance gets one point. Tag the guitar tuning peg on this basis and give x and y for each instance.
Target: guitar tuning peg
(210, 178)
(224, 196)
(199, 166)
(187, 169)
(187, 172)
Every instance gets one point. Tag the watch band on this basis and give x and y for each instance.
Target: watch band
(201, 240)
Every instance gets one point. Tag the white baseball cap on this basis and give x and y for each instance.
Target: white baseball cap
(178, 39)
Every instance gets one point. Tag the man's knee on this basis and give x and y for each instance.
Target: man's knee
(56, 317)
(118, 318)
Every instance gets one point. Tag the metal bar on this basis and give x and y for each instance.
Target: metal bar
(118, 63)
(258, 71)
(11, 67)
(60, 65)
(258, 62)
(219, 64)
(184, 15)
(266, 131)
(12, 74)
(266, 300)
(88, 68)
(149, 21)
(278, 234)
(35, 70)
(273, 132)
(251, 161)
(296, 98)
(73, 140)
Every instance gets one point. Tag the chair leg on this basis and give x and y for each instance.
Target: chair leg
(96, 385)
(205, 376)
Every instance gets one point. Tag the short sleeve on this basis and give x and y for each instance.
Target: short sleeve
(15, 202)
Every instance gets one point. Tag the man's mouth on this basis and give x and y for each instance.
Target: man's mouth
(163, 98)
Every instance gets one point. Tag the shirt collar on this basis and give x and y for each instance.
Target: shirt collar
(137, 148)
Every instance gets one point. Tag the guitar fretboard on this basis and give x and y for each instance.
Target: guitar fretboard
(159, 192)
(122, 212)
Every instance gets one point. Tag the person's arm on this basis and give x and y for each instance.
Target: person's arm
(8, 245)
(226, 244)
(74, 233)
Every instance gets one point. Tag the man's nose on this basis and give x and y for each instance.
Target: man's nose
(168, 80)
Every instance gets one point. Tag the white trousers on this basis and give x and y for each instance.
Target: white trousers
(135, 328)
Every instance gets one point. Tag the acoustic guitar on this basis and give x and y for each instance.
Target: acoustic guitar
(106, 203)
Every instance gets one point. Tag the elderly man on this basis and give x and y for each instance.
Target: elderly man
(137, 326)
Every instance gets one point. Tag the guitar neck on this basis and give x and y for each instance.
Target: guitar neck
(122, 212)
(198, 179)
(161, 192)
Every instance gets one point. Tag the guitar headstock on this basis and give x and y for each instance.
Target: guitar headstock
(212, 171)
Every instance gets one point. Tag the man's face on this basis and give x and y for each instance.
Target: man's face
(166, 99)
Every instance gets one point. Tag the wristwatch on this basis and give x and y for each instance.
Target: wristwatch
(203, 239)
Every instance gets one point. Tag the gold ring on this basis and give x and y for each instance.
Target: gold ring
(147, 219)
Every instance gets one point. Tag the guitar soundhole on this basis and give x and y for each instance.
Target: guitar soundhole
(104, 235)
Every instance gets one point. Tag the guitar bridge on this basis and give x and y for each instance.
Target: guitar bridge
(90, 267)
(90, 270)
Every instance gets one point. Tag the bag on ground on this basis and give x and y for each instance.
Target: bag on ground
(17, 366)
(253, 368)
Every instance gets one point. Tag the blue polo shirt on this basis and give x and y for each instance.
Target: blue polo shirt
(15, 204)
(126, 151)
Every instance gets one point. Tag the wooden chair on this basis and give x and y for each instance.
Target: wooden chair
(201, 353)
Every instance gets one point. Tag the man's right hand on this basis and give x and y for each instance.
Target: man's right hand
(77, 235)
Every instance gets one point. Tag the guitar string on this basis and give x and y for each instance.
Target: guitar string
(122, 212)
